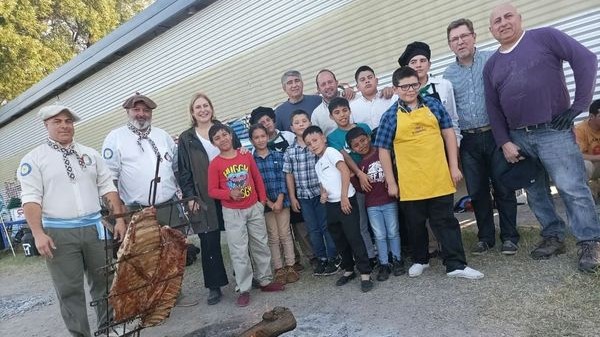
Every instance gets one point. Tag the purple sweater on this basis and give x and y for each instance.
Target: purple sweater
(527, 85)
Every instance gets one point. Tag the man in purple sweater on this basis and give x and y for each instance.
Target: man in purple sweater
(531, 116)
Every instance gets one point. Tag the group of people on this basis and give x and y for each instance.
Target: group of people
(350, 171)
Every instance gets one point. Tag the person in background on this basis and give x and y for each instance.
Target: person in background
(234, 179)
(195, 152)
(277, 210)
(588, 139)
(62, 182)
(532, 116)
(481, 159)
(343, 220)
(369, 106)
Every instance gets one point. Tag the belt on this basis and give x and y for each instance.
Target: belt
(478, 130)
(539, 126)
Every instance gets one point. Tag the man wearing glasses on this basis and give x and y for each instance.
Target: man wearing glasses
(419, 131)
(481, 159)
(531, 115)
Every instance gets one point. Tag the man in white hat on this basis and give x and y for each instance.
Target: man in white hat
(62, 182)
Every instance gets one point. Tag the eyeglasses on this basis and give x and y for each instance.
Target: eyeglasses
(405, 87)
(461, 36)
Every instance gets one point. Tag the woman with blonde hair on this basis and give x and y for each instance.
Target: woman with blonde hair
(195, 151)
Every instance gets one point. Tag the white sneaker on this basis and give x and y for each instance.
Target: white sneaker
(468, 272)
(417, 269)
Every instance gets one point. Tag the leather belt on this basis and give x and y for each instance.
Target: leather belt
(478, 130)
(539, 126)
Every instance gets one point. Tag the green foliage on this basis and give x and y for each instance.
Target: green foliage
(38, 36)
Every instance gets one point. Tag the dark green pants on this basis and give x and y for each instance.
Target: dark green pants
(78, 252)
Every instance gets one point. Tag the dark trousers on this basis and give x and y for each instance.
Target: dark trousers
(213, 268)
(439, 212)
(345, 230)
(482, 162)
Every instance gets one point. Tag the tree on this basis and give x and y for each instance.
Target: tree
(38, 36)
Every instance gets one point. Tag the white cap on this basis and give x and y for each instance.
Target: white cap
(50, 111)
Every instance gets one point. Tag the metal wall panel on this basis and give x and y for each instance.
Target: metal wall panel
(236, 51)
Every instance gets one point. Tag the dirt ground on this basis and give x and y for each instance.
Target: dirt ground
(517, 297)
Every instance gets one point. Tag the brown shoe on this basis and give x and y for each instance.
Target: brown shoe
(281, 275)
(292, 275)
(589, 256)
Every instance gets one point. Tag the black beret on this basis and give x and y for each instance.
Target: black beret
(521, 174)
(130, 102)
(259, 112)
(412, 50)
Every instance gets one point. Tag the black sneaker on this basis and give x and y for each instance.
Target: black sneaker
(589, 256)
(509, 248)
(374, 262)
(398, 267)
(337, 260)
(384, 272)
(345, 279)
(320, 269)
(547, 248)
(480, 248)
(366, 285)
(330, 268)
(214, 296)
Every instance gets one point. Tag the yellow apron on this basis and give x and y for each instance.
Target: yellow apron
(423, 171)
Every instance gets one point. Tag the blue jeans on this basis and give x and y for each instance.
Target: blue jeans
(384, 222)
(560, 157)
(483, 161)
(315, 219)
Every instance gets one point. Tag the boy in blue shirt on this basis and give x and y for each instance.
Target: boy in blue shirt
(277, 210)
(339, 111)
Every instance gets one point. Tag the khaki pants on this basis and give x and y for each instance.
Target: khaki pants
(246, 231)
(278, 229)
(78, 252)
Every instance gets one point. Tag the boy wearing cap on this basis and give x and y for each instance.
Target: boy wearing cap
(62, 182)
(419, 131)
(278, 140)
(234, 179)
(131, 152)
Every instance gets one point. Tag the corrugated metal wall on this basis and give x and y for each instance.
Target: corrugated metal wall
(236, 51)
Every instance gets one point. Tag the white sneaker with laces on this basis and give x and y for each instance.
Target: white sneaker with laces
(468, 273)
(417, 269)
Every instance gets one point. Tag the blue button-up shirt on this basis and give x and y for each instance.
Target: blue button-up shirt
(467, 82)
(300, 162)
(389, 121)
(271, 170)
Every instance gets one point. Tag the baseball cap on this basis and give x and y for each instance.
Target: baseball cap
(130, 102)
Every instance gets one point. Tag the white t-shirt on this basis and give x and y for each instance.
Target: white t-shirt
(44, 181)
(320, 118)
(134, 166)
(211, 150)
(329, 175)
(370, 112)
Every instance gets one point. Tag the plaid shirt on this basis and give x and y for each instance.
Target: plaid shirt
(270, 169)
(387, 128)
(300, 162)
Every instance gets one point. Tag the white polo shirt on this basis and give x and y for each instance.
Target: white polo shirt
(329, 175)
(44, 181)
(134, 168)
(370, 112)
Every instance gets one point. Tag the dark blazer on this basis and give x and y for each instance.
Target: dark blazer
(193, 180)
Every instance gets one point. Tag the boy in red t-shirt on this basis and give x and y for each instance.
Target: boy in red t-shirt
(234, 179)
